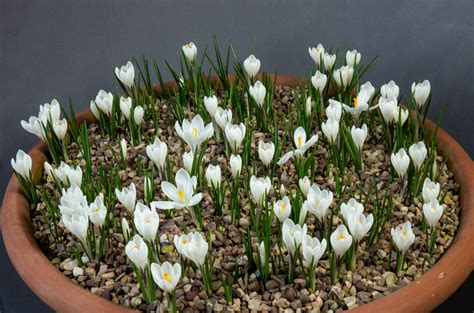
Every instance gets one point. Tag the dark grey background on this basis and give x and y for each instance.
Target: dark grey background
(68, 49)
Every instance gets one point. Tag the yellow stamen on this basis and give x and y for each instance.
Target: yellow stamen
(299, 141)
(195, 132)
(181, 194)
(136, 247)
(184, 241)
(95, 210)
(167, 276)
(404, 233)
(317, 201)
(282, 207)
(356, 102)
(341, 237)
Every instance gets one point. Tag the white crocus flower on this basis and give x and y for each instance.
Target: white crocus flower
(123, 149)
(73, 201)
(299, 139)
(421, 92)
(188, 158)
(329, 60)
(308, 107)
(126, 106)
(316, 53)
(166, 276)
(252, 66)
(282, 209)
(313, 250)
(49, 112)
(69, 175)
(34, 126)
(190, 51)
(359, 225)
(235, 134)
(95, 110)
(341, 240)
(77, 224)
(196, 249)
(262, 253)
(211, 105)
(194, 133)
(157, 153)
(304, 184)
(137, 252)
(49, 170)
(343, 76)
(223, 117)
(318, 202)
(146, 221)
(330, 129)
(389, 109)
(293, 235)
(303, 214)
(403, 236)
(266, 152)
(359, 135)
(138, 115)
(181, 194)
(258, 93)
(418, 154)
(213, 176)
(180, 242)
(353, 57)
(334, 110)
(361, 102)
(235, 165)
(126, 74)
(400, 162)
(319, 80)
(22, 164)
(259, 188)
(97, 211)
(430, 190)
(350, 209)
(128, 197)
(390, 90)
(104, 101)
(401, 115)
(60, 128)
(433, 212)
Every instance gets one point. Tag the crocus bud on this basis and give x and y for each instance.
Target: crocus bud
(319, 81)
(128, 197)
(266, 152)
(211, 105)
(126, 106)
(330, 129)
(282, 209)
(433, 212)
(190, 51)
(352, 58)
(400, 162)
(60, 128)
(157, 152)
(235, 165)
(259, 188)
(303, 214)
(308, 107)
(359, 135)
(166, 276)
(418, 154)
(316, 53)
(196, 249)
(293, 235)
(125, 229)
(390, 90)
(421, 92)
(388, 108)
(188, 158)
(22, 164)
(126, 74)
(77, 224)
(329, 60)
(359, 225)
(401, 115)
(123, 148)
(262, 253)
(350, 209)
(318, 202)
(304, 184)
(49, 170)
(147, 186)
(137, 252)
(334, 110)
(403, 236)
(97, 211)
(104, 101)
(235, 134)
(146, 221)
(49, 112)
(343, 76)
(430, 190)
(223, 117)
(341, 240)
(213, 176)
(258, 93)
(252, 66)
(138, 115)
(313, 250)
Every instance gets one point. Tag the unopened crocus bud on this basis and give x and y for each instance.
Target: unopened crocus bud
(190, 51)
(252, 66)
(421, 92)
(126, 74)
(235, 165)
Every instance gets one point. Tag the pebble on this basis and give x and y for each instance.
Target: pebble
(77, 271)
(390, 278)
(350, 302)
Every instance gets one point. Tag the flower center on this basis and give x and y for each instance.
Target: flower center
(181, 194)
(194, 132)
(282, 207)
(167, 277)
(404, 233)
(95, 210)
(356, 102)
(341, 237)
(299, 141)
(317, 201)
(184, 241)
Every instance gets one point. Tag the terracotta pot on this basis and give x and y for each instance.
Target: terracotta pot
(62, 294)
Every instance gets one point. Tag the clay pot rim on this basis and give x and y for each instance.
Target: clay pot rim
(61, 294)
